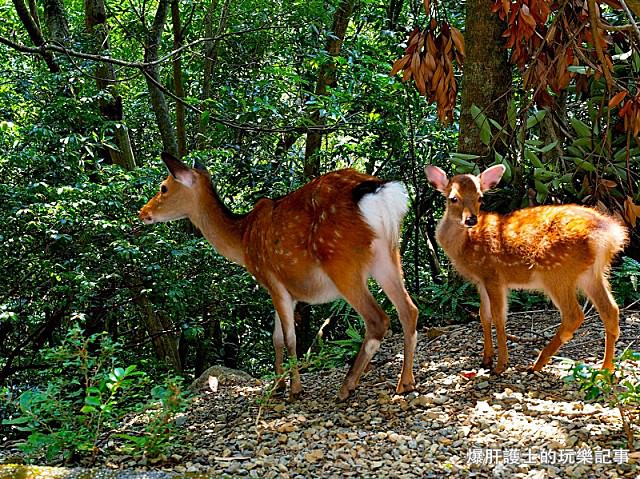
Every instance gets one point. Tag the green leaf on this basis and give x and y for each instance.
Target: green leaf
(541, 187)
(92, 401)
(482, 123)
(584, 164)
(543, 174)
(17, 420)
(533, 158)
(536, 118)
(549, 147)
(581, 128)
(464, 156)
(512, 113)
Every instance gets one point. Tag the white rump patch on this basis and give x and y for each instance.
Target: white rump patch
(385, 209)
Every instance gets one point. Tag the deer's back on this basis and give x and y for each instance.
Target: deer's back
(533, 245)
(293, 237)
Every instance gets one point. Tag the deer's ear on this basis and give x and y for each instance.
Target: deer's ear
(490, 177)
(436, 177)
(181, 172)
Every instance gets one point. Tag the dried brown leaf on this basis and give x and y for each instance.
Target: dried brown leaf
(399, 64)
(617, 98)
(458, 40)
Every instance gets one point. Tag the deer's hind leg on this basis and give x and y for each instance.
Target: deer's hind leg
(597, 289)
(352, 285)
(387, 271)
(572, 316)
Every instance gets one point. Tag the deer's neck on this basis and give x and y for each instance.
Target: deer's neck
(452, 236)
(221, 227)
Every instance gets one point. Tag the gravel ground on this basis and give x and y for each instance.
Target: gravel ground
(460, 421)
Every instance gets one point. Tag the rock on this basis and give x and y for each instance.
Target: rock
(225, 377)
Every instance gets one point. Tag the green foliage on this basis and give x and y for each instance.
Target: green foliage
(624, 280)
(161, 428)
(452, 301)
(86, 399)
(620, 388)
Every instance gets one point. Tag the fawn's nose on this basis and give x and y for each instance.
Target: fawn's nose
(471, 221)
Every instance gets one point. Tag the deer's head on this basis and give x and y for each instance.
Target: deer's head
(179, 194)
(464, 192)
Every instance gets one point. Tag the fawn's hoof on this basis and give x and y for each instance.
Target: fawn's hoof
(486, 363)
(499, 369)
(405, 388)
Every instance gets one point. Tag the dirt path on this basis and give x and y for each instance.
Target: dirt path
(460, 421)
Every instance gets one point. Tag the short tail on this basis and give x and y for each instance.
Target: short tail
(384, 209)
(612, 236)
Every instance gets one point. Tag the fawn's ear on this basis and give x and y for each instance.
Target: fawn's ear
(181, 172)
(490, 177)
(436, 177)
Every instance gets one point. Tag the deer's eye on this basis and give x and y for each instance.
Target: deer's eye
(453, 199)
(163, 189)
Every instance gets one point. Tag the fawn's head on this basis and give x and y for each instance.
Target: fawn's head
(179, 194)
(464, 192)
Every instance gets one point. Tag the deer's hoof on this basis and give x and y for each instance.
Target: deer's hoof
(405, 388)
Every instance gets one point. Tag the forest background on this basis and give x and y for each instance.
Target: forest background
(268, 94)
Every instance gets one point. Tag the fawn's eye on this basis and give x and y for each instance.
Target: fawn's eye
(163, 189)
(453, 199)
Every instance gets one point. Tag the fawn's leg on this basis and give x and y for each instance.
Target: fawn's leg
(599, 293)
(485, 320)
(387, 271)
(571, 318)
(498, 306)
(278, 344)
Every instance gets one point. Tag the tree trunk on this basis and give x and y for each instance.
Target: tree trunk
(152, 75)
(110, 100)
(326, 78)
(161, 332)
(393, 14)
(178, 35)
(35, 34)
(487, 75)
(211, 57)
(55, 17)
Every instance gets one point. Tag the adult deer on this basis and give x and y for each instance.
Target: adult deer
(314, 245)
(557, 249)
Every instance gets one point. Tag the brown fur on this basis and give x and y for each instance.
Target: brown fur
(556, 249)
(312, 245)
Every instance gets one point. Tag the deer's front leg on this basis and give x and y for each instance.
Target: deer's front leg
(485, 319)
(498, 298)
(284, 334)
(278, 345)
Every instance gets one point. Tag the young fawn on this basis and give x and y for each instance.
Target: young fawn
(557, 249)
(316, 244)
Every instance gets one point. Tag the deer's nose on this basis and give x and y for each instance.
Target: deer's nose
(145, 217)
(471, 221)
